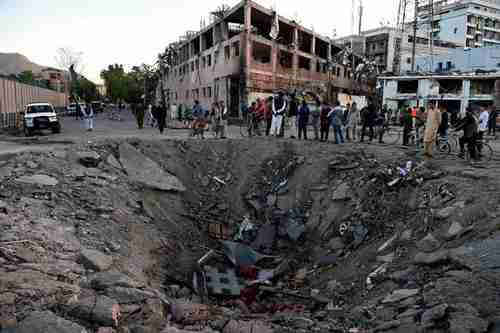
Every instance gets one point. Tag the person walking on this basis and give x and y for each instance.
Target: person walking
(199, 119)
(315, 114)
(345, 120)
(303, 119)
(279, 108)
(325, 122)
(337, 116)
(151, 118)
(139, 115)
(223, 113)
(292, 115)
(88, 117)
(352, 120)
(369, 116)
(492, 124)
(432, 124)
(161, 116)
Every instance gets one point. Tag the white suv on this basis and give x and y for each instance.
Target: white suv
(40, 116)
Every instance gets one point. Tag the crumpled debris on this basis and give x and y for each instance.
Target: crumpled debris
(293, 225)
(247, 231)
(241, 255)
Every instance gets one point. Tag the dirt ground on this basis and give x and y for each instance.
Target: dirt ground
(356, 238)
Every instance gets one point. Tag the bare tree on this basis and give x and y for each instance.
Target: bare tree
(70, 60)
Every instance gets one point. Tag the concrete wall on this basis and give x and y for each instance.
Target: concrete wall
(213, 78)
(14, 96)
(486, 58)
(456, 20)
(428, 90)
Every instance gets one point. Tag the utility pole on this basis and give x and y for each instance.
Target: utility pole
(360, 17)
(431, 3)
(414, 44)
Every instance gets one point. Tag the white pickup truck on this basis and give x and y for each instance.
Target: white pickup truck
(40, 116)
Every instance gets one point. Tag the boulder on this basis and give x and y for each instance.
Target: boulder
(48, 322)
(129, 295)
(434, 314)
(431, 258)
(95, 260)
(445, 213)
(428, 244)
(96, 309)
(465, 319)
(246, 327)
(399, 295)
(336, 244)
(89, 159)
(112, 161)
(454, 231)
(104, 280)
(341, 193)
(42, 180)
(147, 172)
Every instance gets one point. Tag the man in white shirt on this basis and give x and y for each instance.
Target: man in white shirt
(279, 108)
(484, 118)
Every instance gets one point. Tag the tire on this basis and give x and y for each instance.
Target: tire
(444, 148)
(56, 129)
(28, 132)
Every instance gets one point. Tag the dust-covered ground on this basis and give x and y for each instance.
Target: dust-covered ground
(257, 235)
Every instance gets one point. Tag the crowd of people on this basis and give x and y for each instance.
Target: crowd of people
(277, 114)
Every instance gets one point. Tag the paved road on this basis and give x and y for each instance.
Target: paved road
(73, 131)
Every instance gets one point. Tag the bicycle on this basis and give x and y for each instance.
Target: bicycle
(483, 150)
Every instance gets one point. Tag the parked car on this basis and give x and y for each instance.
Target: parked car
(72, 108)
(40, 116)
(98, 107)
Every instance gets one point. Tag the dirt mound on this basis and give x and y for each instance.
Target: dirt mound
(281, 237)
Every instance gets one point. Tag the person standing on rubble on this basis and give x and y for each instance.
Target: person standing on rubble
(432, 124)
(268, 114)
(316, 113)
(292, 115)
(369, 116)
(303, 119)
(445, 122)
(325, 122)
(469, 126)
(492, 123)
(352, 120)
(337, 116)
(279, 107)
(407, 125)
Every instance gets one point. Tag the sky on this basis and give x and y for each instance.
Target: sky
(132, 32)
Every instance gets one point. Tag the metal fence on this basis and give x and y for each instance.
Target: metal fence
(14, 96)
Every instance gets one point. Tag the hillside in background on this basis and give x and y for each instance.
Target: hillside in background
(15, 63)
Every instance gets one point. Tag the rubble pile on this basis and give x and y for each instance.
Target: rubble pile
(227, 237)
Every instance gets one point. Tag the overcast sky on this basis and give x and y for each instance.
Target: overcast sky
(131, 32)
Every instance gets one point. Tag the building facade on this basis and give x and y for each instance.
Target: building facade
(392, 49)
(462, 60)
(469, 23)
(235, 60)
(456, 92)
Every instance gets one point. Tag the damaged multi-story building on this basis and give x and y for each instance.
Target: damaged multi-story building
(234, 59)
